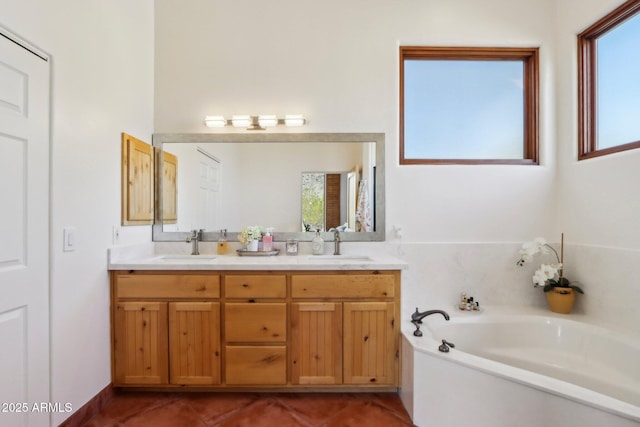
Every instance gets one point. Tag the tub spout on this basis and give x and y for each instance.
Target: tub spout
(417, 316)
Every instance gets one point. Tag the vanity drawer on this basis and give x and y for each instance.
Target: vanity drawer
(255, 286)
(343, 286)
(191, 286)
(256, 365)
(259, 322)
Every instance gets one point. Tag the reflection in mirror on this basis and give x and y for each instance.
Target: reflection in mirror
(229, 181)
(331, 201)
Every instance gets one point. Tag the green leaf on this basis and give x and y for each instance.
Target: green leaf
(576, 288)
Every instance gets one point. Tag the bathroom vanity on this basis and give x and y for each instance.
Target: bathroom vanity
(281, 323)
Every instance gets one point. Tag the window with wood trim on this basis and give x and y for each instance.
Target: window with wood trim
(468, 105)
(608, 83)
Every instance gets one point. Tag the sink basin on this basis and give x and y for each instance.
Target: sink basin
(338, 258)
(184, 259)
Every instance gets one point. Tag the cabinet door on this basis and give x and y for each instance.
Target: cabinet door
(194, 342)
(369, 343)
(137, 181)
(316, 343)
(140, 343)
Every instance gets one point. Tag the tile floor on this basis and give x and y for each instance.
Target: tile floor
(133, 409)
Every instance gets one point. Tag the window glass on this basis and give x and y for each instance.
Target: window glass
(618, 85)
(468, 105)
(458, 109)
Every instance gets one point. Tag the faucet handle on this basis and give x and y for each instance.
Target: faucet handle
(417, 332)
(450, 344)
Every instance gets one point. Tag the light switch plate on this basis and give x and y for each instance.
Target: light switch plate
(115, 234)
(69, 239)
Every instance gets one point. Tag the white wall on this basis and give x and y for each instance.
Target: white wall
(603, 191)
(336, 62)
(102, 84)
(598, 204)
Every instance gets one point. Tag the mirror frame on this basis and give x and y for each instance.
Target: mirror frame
(158, 235)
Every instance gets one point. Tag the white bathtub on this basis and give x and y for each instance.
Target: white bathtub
(521, 367)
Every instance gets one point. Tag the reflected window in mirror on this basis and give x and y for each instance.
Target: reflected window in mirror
(313, 201)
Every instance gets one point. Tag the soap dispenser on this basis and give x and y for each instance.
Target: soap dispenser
(267, 240)
(317, 244)
(222, 242)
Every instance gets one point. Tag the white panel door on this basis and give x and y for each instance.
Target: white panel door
(208, 193)
(24, 235)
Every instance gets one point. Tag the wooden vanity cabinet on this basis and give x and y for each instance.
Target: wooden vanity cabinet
(255, 329)
(258, 329)
(352, 342)
(166, 328)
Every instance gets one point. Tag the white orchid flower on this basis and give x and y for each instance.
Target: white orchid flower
(529, 249)
(539, 278)
(546, 272)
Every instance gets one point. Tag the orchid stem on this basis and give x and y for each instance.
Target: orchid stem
(554, 251)
(559, 258)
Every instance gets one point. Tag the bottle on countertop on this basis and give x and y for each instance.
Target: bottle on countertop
(267, 240)
(463, 301)
(222, 242)
(317, 244)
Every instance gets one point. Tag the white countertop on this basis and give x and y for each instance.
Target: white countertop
(146, 258)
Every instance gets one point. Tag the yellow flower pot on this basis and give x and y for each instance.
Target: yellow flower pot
(561, 300)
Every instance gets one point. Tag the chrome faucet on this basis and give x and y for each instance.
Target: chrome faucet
(194, 238)
(336, 242)
(417, 316)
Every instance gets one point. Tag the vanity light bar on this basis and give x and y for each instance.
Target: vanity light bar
(260, 122)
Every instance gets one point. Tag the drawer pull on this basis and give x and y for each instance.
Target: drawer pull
(244, 285)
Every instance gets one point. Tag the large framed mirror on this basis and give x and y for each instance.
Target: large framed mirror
(217, 181)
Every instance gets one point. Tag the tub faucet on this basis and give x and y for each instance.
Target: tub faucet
(417, 316)
(194, 238)
(336, 242)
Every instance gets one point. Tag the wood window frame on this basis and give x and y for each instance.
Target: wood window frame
(587, 82)
(530, 58)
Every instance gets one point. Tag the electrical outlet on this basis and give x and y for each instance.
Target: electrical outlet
(115, 234)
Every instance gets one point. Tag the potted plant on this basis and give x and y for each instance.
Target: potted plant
(250, 236)
(560, 291)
